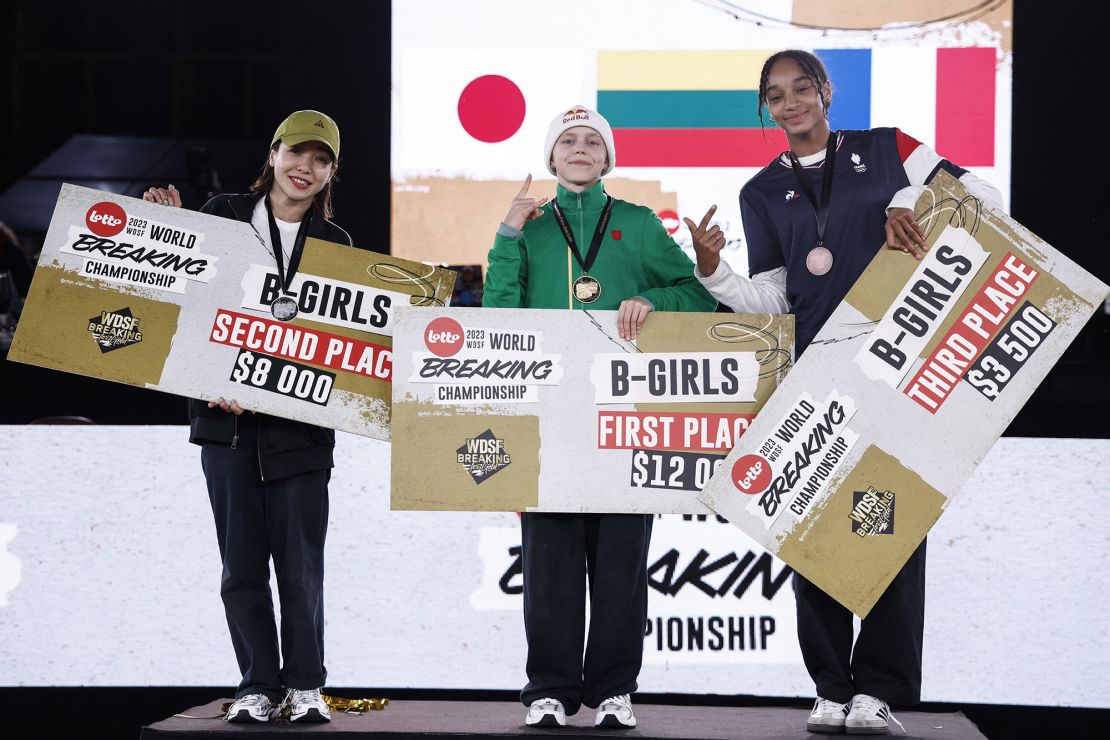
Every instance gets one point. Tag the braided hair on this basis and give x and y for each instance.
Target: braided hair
(811, 68)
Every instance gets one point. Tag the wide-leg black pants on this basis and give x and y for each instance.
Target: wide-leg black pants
(256, 520)
(886, 660)
(561, 553)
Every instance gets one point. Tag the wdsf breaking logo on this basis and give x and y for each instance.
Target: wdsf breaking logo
(115, 329)
(482, 456)
(872, 512)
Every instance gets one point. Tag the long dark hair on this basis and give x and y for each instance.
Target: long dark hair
(811, 68)
(321, 201)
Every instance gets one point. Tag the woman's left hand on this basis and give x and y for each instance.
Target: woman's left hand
(163, 196)
(631, 315)
(903, 232)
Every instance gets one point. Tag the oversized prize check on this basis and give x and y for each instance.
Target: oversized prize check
(901, 395)
(549, 410)
(179, 301)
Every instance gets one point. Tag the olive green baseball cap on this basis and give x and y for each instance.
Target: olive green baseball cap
(308, 125)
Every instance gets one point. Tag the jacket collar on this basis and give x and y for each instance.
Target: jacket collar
(590, 199)
(243, 204)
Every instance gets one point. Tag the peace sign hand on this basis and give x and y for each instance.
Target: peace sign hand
(708, 242)
(523, 209)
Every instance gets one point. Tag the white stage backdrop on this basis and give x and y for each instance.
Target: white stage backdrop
(109, 575)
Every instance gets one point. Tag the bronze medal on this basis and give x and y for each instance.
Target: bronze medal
(819, 260)
(587, 289)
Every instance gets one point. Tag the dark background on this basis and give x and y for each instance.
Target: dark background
(230, 70)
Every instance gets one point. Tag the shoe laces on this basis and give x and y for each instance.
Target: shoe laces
(868, 704)
(252, 700)
(546, 702)
(295, 696)
(828, 706)
(872, 705)
(621, 700)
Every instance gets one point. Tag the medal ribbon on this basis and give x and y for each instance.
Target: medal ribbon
(286, 278)
(820, 209)
(595, 243)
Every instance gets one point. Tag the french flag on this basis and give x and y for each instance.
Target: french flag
(942, 96)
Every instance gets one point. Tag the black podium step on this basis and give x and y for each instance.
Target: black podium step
(409, 719)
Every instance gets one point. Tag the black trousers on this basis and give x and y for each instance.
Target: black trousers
(560, 552)
(886, 661)
(257, 520)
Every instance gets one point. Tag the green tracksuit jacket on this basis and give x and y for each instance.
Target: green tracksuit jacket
(636, 258)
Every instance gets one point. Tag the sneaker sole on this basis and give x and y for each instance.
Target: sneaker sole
(610, 722)
(548, 720)
(312, 715)
(824, 729)
(245, 717)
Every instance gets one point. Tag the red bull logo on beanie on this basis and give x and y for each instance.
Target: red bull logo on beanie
(576, 114)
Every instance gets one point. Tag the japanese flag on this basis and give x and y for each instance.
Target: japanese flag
(483, 113)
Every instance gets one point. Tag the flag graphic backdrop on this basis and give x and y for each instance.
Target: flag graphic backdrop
(699, 108)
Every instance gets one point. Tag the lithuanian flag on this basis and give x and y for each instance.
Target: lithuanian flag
(699, 108)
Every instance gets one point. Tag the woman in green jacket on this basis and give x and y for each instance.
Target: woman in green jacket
(586, 250)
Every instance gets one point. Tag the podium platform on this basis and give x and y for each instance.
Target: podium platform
(425, 719)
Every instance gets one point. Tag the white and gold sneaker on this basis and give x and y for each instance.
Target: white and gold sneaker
(546, 713)
(616, 712)
(250, 708)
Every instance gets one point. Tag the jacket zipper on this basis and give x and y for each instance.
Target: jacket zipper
(581, 218)
(234, 431)
(581, 229)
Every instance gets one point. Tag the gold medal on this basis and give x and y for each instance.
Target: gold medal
(587, 289)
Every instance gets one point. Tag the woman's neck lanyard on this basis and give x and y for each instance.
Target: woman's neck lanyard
(284, 307)
(587, 289)
(819, 260)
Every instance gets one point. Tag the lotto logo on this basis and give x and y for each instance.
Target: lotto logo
(751, 474)
(105, 219)
(443, 336)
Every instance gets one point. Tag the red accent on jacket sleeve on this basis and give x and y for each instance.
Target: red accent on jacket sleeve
(906, 144)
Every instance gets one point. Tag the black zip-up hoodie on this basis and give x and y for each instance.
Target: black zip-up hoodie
(285, 447)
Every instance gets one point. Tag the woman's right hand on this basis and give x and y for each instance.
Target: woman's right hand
(708, 242)
(163, 196)
(231, 407)
(523, 209)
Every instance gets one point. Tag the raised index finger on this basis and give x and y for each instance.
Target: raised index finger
(524, 189)
(705, 219)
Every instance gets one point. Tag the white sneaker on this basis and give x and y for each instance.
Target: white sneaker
(546, 713)
(827, 716)
(250, 708)
(616, 711)
(870, 716)
(306, 705)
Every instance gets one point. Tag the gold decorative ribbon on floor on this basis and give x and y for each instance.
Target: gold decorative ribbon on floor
(339, 704)
(354, 706)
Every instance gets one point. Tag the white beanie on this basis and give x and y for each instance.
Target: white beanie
(579, 115)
